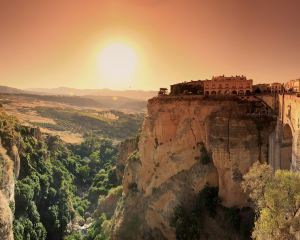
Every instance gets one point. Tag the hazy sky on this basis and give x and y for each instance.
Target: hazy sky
(51, 43)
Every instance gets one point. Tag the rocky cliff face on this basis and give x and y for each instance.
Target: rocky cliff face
(9, 170)
(125, 149)
(6, 195)
(187, 143)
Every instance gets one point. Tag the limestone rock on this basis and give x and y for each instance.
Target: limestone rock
(6, 219)
(169, 169)
(125, 149)
(6, 195)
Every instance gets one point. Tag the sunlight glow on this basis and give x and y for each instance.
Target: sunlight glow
(116, 64)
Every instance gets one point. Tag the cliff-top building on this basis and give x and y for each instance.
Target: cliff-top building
(292, 86)
(276, 87)
(234, 85)
(221, 85)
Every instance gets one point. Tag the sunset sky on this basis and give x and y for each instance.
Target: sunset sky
(52, 43)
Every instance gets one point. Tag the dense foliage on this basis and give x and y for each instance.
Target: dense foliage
(189, 220)
(188, 223)
(277, 201)
(56, 182)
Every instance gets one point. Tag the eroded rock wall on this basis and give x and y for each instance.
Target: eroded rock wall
(125, 149)
(171, 169)
(6, 195)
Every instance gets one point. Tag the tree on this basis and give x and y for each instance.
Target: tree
(277, 202)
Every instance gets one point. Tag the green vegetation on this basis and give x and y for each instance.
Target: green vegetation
(59, 182)
(100, 230)
(189, 220)
(80, 121)
(188, 223)
(276, 198)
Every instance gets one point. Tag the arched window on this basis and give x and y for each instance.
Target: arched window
(234, 92)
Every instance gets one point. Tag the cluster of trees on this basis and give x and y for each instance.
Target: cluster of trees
(276, 199)
(191, 221)
(59, 182)
(188, 222)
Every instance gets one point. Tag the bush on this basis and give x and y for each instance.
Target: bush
(276, 199)
(188, 223)
(208, 199)
(232, 216)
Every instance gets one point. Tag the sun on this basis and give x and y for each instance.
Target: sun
(117, 64)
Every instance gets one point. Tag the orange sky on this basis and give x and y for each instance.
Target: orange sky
(52, 43)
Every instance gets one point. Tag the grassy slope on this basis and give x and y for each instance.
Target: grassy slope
(125, 126)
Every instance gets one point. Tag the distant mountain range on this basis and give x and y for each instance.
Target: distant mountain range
(132, 100)
(5, 89)
(133, 94)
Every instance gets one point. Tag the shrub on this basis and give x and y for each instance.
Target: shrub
(276, 197)
(188, 223)
(208, 199)
(232, 216)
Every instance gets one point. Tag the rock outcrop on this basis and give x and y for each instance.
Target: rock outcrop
(6, 195)
(186, 143)
(125, 149)
(9, 171)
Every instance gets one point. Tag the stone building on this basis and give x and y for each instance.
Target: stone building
(276, 87)
(222, 85)
(292, 86)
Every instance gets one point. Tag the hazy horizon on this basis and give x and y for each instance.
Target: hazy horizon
(110, 89)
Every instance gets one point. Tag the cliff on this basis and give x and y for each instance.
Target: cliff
(125, 149)
(9, 169)
(6, 195)
(187, 143)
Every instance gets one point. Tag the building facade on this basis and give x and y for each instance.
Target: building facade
(292, 86)
(276, 87)
(234, 85)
